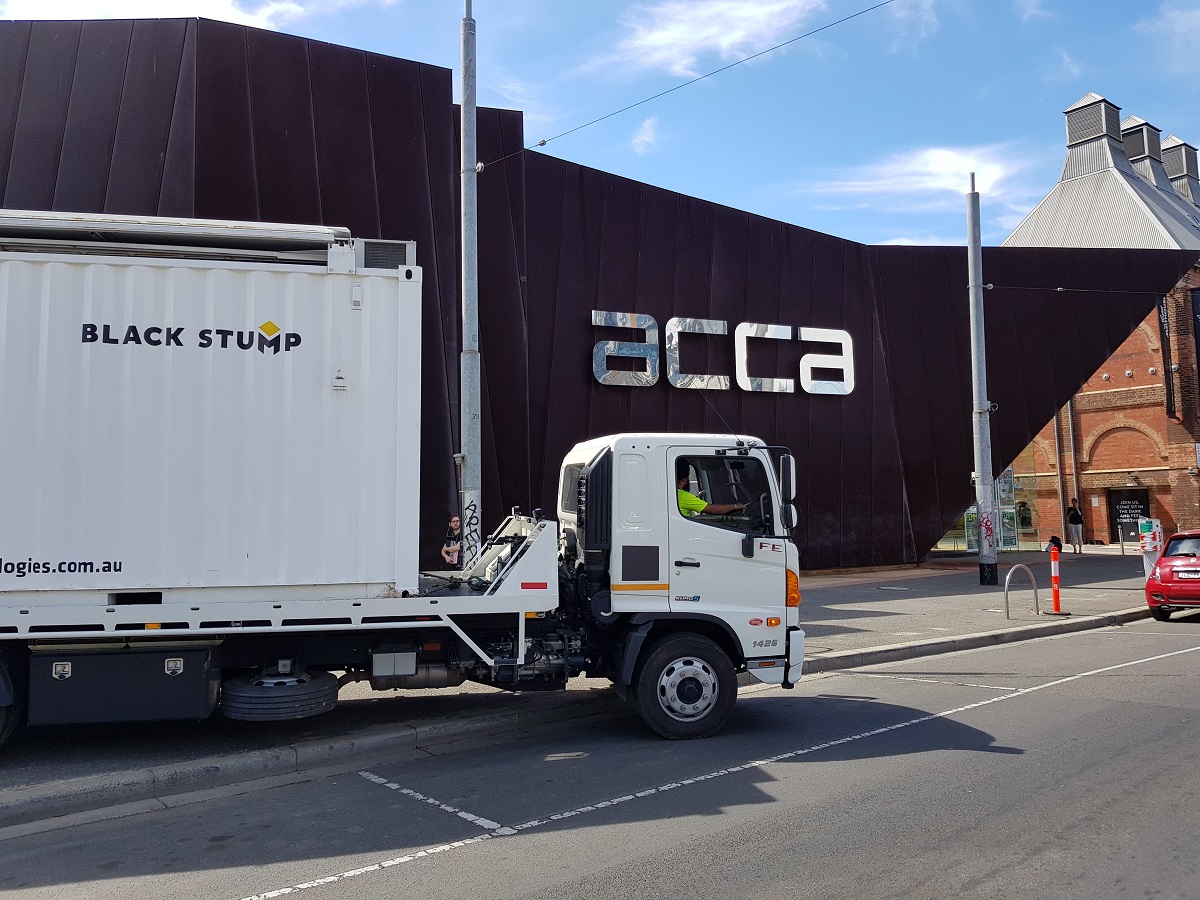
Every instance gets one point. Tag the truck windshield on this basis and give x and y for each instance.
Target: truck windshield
(729, 492)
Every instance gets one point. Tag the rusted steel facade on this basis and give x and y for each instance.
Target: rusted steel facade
(206, 119)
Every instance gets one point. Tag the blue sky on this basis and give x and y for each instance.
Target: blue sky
(867, 130)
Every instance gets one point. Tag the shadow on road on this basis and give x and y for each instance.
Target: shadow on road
(599, 774)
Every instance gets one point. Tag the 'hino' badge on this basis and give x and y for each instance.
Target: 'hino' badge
(174, 666)
(62, 671)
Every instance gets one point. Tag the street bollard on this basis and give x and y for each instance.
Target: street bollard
(1056, 608)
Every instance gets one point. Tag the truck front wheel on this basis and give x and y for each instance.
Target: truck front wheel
(686, 688)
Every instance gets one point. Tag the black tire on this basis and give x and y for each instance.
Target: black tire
(259, 698)
(1160, 614)
(686, 687)
(13, 714)
(10, 718)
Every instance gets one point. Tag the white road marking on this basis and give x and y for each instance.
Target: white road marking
(989, 687)
(661, 789)
(474, 820)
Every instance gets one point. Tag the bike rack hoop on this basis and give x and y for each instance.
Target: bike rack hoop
(1037, 608)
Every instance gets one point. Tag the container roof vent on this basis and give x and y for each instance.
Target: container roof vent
(1141, 139)
(1179, 158)
(1179, 162)
(1092, 117)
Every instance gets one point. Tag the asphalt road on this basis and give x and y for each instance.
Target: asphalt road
(1056, 768)
(842, 612)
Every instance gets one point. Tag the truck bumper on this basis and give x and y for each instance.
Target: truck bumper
(781, 670)
(795, 656)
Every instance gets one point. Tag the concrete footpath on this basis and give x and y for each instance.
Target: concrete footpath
(852, 618)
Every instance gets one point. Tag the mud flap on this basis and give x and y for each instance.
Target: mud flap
(634, 641)
(795, 657)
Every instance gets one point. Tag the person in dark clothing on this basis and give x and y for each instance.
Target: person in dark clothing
(1075, 525)
(452, 545)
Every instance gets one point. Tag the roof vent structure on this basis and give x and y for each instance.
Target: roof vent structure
(1143, 147)
(1093, 138)
(1091, 117)
(1179, 162)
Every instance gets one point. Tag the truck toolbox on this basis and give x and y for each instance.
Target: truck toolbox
(73, 683)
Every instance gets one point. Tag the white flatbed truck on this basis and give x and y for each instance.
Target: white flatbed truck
(212, 496)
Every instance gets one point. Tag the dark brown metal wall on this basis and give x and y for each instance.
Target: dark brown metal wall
(199, 118)
(884, 471)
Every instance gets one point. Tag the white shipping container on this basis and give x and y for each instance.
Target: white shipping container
(176, 424)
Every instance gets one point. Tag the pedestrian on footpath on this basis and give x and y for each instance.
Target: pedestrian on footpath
(1075, 525)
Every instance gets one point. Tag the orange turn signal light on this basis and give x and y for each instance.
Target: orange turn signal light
(773, 621)
(793, 588)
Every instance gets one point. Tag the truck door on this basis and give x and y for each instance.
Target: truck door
(709, 573)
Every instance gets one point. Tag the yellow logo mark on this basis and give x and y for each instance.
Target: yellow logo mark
(269, 328)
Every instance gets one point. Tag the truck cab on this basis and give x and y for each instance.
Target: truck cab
(695, 595)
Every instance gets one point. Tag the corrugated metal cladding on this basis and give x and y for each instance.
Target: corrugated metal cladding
(256, 125)
(1091, 212)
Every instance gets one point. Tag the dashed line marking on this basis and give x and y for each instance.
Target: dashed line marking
(987, 687)
(661, 789)
(444, 807)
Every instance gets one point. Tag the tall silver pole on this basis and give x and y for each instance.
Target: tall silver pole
(981, 426)
(471, 396)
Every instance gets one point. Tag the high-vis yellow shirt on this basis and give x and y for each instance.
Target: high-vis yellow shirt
(690, 504)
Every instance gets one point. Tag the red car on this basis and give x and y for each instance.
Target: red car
(1175, 582)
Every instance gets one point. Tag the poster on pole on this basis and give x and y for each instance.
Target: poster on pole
(971, 526)
(1005, 489)
(1008, 529)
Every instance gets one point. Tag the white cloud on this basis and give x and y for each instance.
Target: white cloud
(1009, 222)
(933, 173)
(1068, 69)
(1175, 32)
(1032, 9)
(925, 240)
(932, 181)
(916, 19)
(647, 136)
(523, 96)
(270, 14)
(674, 35)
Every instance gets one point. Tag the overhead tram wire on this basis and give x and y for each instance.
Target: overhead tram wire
(544, 141)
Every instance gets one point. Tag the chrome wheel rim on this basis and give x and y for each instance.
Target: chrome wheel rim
(687, 689)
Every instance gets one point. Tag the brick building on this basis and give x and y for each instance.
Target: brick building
(1128, 442)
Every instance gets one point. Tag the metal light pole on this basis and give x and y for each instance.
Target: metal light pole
(981, 407)
(470, 403)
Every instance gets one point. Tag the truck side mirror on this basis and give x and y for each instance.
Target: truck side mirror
(787, 517)
(787, 477)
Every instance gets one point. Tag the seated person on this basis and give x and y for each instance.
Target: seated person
(690, 504)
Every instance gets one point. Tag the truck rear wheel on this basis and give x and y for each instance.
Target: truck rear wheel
(274, 698)
(686, 688)
(10, 717)
(13, 709)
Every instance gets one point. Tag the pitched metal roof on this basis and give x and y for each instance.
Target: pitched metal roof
(1103, 200)
(1086, 100)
